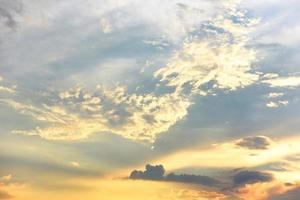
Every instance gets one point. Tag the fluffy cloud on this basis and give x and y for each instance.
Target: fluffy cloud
(255, 142)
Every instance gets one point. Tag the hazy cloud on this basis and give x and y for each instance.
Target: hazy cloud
(289, 195)
(8, 8)
(255, 142)
(5, 195)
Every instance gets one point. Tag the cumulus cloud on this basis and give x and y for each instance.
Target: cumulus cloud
(156, 172)
(254, 142)
(250, 177)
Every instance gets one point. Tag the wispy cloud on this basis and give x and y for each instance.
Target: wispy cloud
(289, 81)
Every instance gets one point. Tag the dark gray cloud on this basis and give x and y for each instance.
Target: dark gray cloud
(7, 10)
(151, 173)
(190, 178)
(156, 172)
(254, 142)
(249, 177)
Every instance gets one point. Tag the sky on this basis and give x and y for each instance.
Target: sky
(153, 100)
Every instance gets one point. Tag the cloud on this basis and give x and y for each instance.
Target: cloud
(218, 55)
(290, 81)
(105, 25)
(74, 164)
(77, 114)
(6, 178)
(250, 177)
(289, 195)
(190, 178)
(7, 185)
(273, 104)
(5, 195)
(7, 10)
(157, 172)
(275, 94)
(222, 57)
(152, 172)
(6, 89)
(255, 142)
(172, 20)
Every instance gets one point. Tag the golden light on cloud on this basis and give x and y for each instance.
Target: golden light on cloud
(239, 157)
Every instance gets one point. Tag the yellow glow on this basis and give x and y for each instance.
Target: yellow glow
(228, 155)
(121, 189)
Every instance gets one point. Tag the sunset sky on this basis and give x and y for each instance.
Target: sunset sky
(149, 100)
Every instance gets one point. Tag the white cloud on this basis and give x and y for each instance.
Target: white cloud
(105, 25)
(290, 81)
(78, 114)
(6, 89)
(222, 56)
(74, 164)
(273, 104)
(275, 94)
(6, 178)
